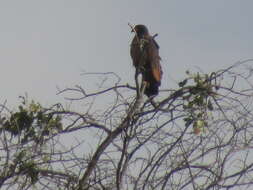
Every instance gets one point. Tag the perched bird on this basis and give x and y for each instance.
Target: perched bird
(145, 55)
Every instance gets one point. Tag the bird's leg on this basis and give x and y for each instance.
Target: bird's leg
(136, 81)
(144, 84)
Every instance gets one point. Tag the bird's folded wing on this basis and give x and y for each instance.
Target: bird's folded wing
(154, 59)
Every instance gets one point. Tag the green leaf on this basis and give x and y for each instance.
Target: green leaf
(183, 83)
(199, 123)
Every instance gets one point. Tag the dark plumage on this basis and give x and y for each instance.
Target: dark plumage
(145, 55)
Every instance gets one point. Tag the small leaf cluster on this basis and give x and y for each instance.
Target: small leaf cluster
(26, 166)
(32, 122)
(197, 100)
(31, 170)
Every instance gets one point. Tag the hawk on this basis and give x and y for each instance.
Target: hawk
(145, 55)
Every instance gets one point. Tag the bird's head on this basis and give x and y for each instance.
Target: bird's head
(140, 30)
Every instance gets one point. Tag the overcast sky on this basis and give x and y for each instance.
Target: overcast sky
(49, 43)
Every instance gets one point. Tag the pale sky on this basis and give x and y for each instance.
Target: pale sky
(49, 43)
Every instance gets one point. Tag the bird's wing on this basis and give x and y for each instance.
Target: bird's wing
(154, 59)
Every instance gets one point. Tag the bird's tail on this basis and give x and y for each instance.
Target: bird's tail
(152, 88)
